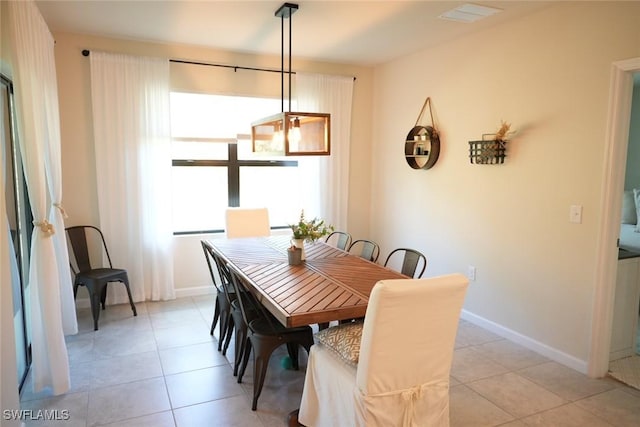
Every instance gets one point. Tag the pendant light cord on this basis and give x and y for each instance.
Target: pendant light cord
(282, 64)
(290, 20)
(282, 16)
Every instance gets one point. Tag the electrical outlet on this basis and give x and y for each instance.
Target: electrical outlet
(575, 214)
(471, 273)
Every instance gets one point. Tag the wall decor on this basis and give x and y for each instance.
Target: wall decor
(422, 144)
(491, 149)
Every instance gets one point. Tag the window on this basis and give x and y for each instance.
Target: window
(214, 168)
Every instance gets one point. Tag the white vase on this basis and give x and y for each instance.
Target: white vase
(299, 243)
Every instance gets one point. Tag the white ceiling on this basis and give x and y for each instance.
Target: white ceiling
(347, 31)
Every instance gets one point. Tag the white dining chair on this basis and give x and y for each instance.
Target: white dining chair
(247, 222)
(392, 369)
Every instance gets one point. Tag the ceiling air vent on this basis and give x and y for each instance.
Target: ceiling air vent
(469, 13)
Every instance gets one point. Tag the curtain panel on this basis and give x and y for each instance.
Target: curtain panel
(320, 93)
(52, 312)
(131, 121)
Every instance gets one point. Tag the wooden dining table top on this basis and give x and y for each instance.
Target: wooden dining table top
(330, 284)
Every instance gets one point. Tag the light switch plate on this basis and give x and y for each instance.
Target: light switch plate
(471, 273)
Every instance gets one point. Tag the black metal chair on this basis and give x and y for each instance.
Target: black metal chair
(222, 311)
(410, 261)
(366, 249)
(340, 239)
(237, 322)
(87, 240)
(264, 334)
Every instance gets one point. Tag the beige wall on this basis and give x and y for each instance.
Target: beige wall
(79, 181)
(548, 75)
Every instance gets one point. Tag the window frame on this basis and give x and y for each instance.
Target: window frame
(233, 165)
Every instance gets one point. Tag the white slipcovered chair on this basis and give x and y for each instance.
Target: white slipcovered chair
(405, 354)
(244, 222)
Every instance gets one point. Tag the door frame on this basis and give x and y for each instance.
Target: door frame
(615, 155)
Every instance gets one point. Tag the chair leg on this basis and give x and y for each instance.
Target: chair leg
(261, 356)
(245, 358)
(292, 349)
(259, 372)
(133, 307)
(292, 419)
(241, 338)
(224, 325)
(94, 296)
(103, 296)
(216, 316)
(306, 342)
(227, 335)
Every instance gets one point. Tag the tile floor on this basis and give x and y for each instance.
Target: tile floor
(627, 369)
(162, 368)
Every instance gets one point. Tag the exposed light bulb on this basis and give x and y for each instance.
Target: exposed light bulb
(277, 139)
(294, 135)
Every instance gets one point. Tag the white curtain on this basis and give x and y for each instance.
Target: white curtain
(131, 123)
(329, 94)
(52, 311)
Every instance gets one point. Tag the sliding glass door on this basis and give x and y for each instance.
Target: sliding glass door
(18, 221)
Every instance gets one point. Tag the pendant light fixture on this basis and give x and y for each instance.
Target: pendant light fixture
(291, 133)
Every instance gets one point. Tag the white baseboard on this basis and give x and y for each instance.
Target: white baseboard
(540, 348)
(193, 291)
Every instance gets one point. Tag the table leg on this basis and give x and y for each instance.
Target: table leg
(292, 419)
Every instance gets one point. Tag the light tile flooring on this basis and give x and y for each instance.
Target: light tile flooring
(162, 368)
(627, 369)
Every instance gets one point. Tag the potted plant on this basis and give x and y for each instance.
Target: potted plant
(308, 231)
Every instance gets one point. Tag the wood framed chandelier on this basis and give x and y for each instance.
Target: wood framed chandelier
(291, 133)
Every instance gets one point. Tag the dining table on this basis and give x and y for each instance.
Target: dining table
(331, 284)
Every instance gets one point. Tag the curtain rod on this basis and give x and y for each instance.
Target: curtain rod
(87, 52)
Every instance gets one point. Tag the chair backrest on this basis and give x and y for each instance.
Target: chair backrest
(88, 247)
(365, 249)
(409, 333)
(241, 222)
(250, 307)
(411, 260)
(340, 239)
(209, 256)
(224, 284)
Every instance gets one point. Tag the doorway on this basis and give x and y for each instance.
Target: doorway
(617, 137)
(624, 363)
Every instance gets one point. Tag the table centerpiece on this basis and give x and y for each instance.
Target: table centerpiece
(308, 231)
